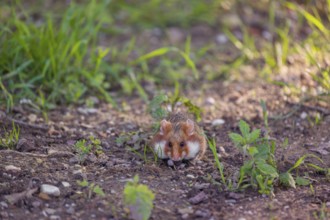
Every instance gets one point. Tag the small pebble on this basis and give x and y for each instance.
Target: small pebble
(233, 195)
(3, 204)
(50, 190)
(70, 210)
(303, 115)
(55, 217)
(66, 184)
(200, 197)
(87, 111)
(200, 213)
(218, 122)
(12, 168)
(191, 176)
(187, 210)
(4, 215)
(210, 101)
(230, 201)
(221, 39)
(36, 204)
(170, 163)
(50, 211)
(201, 185)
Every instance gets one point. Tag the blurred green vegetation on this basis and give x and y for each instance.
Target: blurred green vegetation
(60, 52)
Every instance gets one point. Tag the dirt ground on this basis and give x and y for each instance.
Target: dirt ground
(46, 155)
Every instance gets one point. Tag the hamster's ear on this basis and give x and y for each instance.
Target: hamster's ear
(165, 127)
(189, 127)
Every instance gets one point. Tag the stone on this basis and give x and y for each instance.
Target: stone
(36, 204)
(191, 176)
(210, 101)
(187, 210)
(12, 168)
(66, 184)
(170, 163)
(87, 111)
(234, 195)
(50, 190)
(70, 210)
(3, 204)
(303, 115)
(54, 217)
(200, 197)
(230, 201)
(218, 122)
(201, 186)
(50, 211)
(202, 214)
(221, 39)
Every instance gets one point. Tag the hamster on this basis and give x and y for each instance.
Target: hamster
(179, 138)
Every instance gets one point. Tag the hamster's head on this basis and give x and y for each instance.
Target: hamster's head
(178, 140)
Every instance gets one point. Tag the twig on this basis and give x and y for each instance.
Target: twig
(24, 124)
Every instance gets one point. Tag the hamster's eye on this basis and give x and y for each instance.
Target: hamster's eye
(170, 144)
(182, 144)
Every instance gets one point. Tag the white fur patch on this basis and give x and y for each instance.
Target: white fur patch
(160, 149)
(193, 149)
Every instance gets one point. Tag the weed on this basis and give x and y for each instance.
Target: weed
(84, 148)
(91, 188)
(138, 198)
(259, 170)
(134, 141)
(161, 105)
(10, 138)
(287, 179)
(322, 213)
(219, 165)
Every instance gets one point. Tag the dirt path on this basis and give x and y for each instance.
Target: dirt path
(46, 156)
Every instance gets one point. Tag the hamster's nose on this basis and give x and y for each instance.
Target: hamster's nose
(176, 159)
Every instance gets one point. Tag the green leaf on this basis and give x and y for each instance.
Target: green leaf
(264, 151)
(98, 191)
(302, 181)
(267, 169)
(301, 160)
(260, 181)
(155, 106)
(237, 139)
(138, 198)
(245, 170)
(287, 179)
(194, 109)
(155, 53)
(83, 183)
(253, 136)
(252, 151)
(244, 128)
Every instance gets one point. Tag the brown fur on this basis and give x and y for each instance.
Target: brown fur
(177, 129)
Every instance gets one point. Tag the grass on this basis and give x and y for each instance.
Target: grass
(91, 189)
(59, 59)
(10, 138)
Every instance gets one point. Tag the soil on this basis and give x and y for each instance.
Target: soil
(46, 154)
